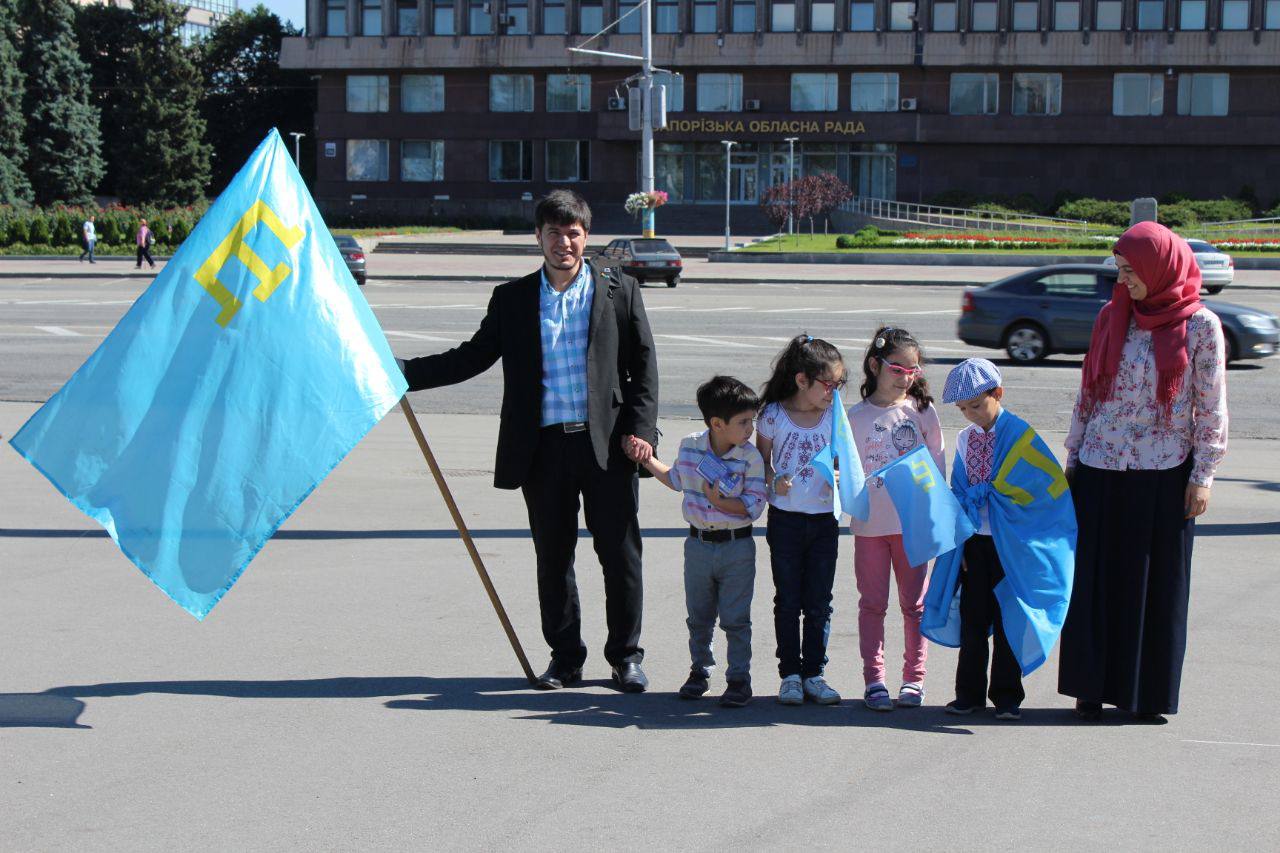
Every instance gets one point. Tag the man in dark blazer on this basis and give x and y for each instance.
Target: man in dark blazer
(580, 395)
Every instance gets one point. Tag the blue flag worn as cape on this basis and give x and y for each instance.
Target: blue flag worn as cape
(247, 370)
(851, 496)
(1033, 523)
(933, 522)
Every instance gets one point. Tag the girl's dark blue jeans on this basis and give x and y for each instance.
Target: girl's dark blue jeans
(802, 554)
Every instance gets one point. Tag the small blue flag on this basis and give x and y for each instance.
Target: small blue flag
(933, 522)
(842, 452)
(247, 370)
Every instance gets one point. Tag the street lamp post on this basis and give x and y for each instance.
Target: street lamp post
(791, 186)
(728, 185)
(297, 138)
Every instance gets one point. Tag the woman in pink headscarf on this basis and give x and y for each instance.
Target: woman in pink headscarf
(1148, 432)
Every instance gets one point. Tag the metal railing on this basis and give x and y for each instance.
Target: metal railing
(968, 219)
(1261, 228)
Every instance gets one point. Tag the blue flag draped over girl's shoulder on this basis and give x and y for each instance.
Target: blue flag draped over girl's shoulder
(246, 371)
(1033, 523)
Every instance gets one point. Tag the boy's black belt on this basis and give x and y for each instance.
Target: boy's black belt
(720, 535)
(569, 427)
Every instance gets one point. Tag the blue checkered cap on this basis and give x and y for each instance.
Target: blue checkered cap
(970, 378)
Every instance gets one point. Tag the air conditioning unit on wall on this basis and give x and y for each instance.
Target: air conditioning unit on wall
(907, 105)
(616, 104)
(751, 106)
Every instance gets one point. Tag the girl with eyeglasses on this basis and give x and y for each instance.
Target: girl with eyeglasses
(894, 417)
(803, 534)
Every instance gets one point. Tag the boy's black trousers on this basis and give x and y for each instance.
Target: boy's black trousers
(979, 613)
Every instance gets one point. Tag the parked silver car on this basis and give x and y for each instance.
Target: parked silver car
(1217, 269)
(353, 255)
(644, 259)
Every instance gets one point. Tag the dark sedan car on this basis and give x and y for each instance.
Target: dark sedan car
(353, 255)
(644, 258)
(1051, 309)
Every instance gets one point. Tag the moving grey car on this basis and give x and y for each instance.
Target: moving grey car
(353, 255)
(1051, 309)
(644, 259)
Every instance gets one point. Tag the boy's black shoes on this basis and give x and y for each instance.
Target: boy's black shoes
(1009, 712)
(1090, 712)
(960, 708)
(694, 687)
(555, 678)
(630, 678)
(736, 695)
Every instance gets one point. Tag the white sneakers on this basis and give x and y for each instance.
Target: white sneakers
(791, 692)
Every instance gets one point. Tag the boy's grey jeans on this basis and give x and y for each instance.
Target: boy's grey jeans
(719, 580)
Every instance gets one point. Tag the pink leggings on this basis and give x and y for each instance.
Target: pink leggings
(872, 556)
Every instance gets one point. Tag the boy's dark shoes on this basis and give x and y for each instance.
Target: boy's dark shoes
(960, 708)
(630, 678)
(694, 687)
(1009, 712)
(555, 678)
(1149, 719)
(1090, 712)
(737, 694)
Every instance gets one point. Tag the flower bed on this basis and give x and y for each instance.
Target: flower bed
(1000, 241)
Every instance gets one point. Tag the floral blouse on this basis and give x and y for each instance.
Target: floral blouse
(1125, 433)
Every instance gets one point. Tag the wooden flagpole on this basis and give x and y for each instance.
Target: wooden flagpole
(466, 537)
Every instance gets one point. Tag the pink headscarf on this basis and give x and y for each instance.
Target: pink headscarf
(1166, 264)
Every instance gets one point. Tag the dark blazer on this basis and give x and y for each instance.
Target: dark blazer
(622, 369)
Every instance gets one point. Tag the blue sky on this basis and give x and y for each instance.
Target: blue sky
(288, 10)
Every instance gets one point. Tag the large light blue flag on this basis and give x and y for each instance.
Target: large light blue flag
(933, 522)
(1033, 523)
(851, 496)
(247, 370)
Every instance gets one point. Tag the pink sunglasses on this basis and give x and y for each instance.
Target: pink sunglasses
(899, 370)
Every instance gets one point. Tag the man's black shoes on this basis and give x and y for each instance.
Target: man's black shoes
(555, 678)
(630, 678)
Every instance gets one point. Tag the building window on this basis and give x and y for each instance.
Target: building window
(822, 16)
(368, 93)
(553, 19)
(744, 17)
(407, 17)
(517, 18)
(782, 16)
(1192, 14)
(812, 93)
(568, 93)
(1151, 14)
(511, 93)
(1137, 95)
(1037, 94)
(1066, 15)
(668, 169)
(944, 17)
(901, 16)
(985, 15)
(422, 160)
(1108, 15)
(873, 93)
(1235, 14)
(666, 16)
(862, 17)
(568, 160)
(1202, 94)
(1026, 16)
(510, 160)
(719, 93)
(422, 93)
(975, 94)
(590, 17)
(367, 159)
(1272, 19)
(817, 158)
(674, 84)
(628, 17)
(704, 16)
(370, 17)
(335, 17)
(442, 18)
(479, 20)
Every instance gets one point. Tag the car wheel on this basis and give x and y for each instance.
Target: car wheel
(1026, 343)
(1214, 290)
(672, 282)
(1229, 346)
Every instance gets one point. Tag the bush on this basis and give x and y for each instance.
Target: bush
(1096, 210)
(38, 228)
(1220, 209)
(63, 231)
(1179, 215)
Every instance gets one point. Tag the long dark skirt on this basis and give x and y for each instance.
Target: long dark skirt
(1126, 630)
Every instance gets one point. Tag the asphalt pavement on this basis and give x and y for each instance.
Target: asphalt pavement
(354, 690)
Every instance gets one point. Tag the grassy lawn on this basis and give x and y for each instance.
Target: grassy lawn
(827, 243)
(392, 230)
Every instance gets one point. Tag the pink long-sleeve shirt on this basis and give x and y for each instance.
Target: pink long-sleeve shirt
(882, 434)
(1125, 432)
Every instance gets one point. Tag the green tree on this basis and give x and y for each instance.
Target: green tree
(247, 92)
(14, 186)
(62, 135)
(106, 34)
(162, 155)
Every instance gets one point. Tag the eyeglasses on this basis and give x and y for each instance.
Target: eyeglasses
(838, 385)
(899, 370)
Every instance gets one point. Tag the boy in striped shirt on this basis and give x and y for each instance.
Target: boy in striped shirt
(721, 477)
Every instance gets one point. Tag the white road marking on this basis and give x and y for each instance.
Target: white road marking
(420, 337)
(60, 332)
(793, 310)
(708, 341)
(1234, 743)
(947, 311)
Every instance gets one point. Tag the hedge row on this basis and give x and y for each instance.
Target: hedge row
(115, 226)
(1176, 211)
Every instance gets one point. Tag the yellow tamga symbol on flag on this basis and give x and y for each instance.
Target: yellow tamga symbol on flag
(922, 474)
(268, 279)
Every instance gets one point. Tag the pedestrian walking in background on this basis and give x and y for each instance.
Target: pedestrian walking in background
(89, 234)
(146, 237)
